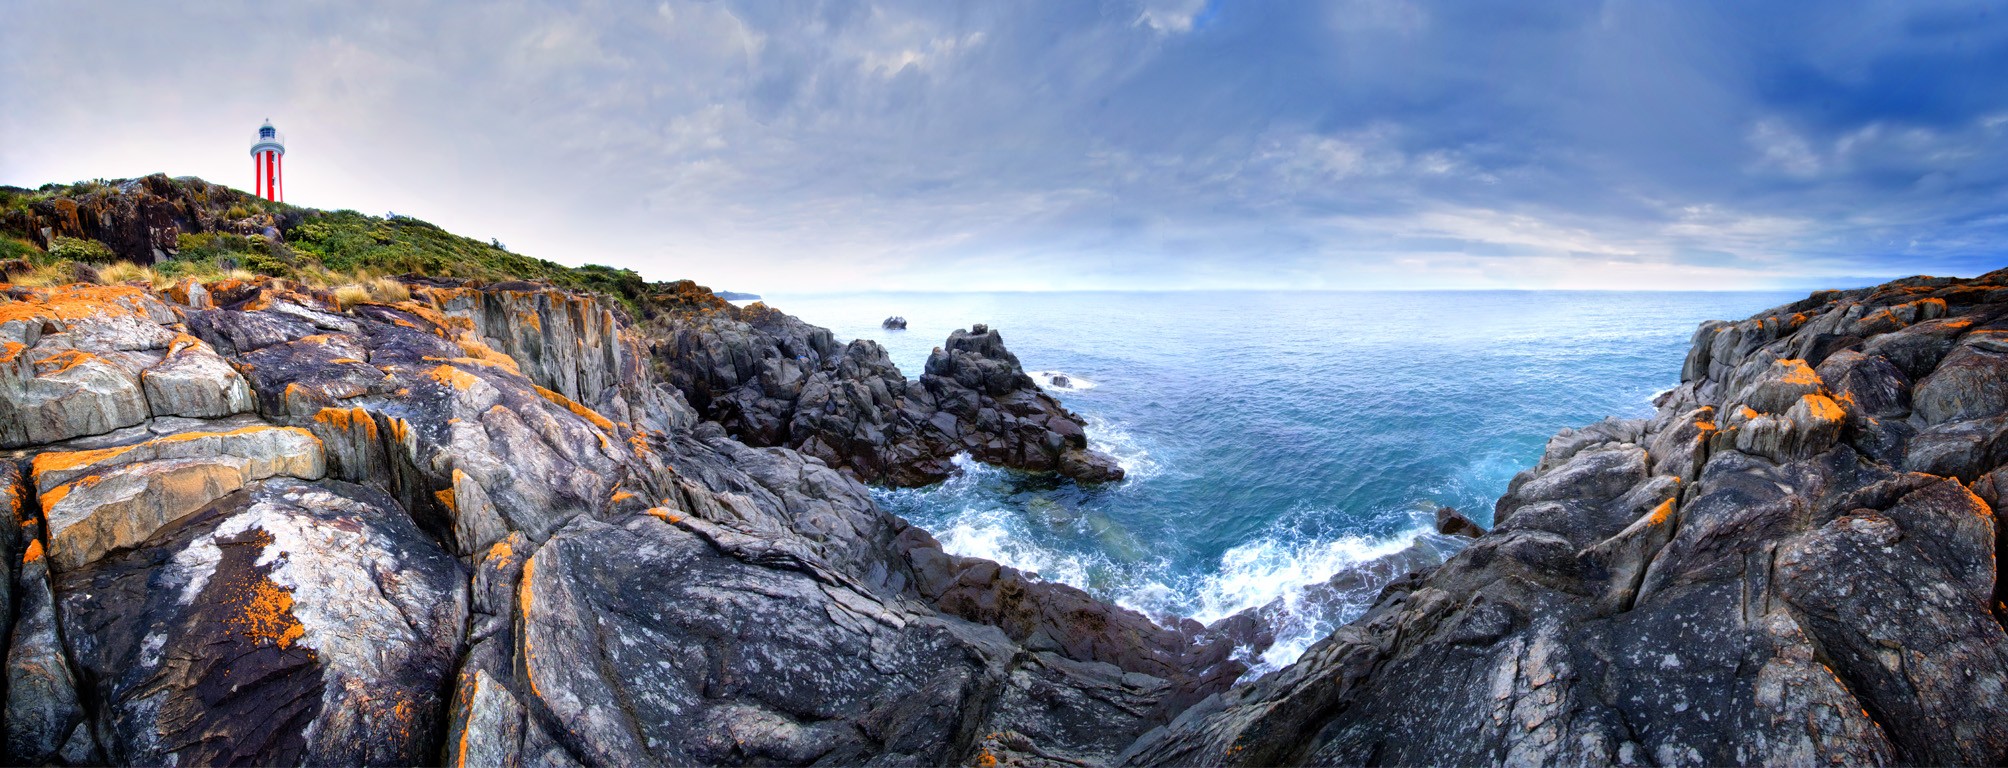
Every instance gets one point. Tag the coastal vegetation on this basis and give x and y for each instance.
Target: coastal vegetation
(219, 233)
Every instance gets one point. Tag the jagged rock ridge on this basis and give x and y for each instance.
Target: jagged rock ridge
(772, 379)
(1792, 562)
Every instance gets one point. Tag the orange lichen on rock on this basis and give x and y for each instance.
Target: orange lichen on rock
(33, 553)
(523, 614)
(10, 351)
(62, 361)
(500, 549)
(79, 301)
(1823, 408)
(266, 615)
(182, 341)
(56, 494)
(664, 515)
(1798, 373)
(587, 413)
(476, 349)
(56, 461)
(348, 420)
(473, 689)
(453, 377)
(1661, 513)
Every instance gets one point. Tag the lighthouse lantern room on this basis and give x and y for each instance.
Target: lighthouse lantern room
(268, 153)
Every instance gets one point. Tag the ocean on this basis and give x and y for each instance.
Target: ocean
(1273, 439)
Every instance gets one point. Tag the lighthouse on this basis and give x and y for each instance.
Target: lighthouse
(268, 153)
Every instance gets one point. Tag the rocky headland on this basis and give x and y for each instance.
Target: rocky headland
(582, 519)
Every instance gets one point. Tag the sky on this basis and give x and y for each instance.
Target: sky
(784, 146)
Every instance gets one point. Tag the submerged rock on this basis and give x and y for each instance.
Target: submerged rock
(894, 323)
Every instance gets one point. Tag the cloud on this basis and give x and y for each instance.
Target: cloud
(1057, 144)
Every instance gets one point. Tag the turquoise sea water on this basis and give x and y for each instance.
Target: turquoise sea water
(1272, 439)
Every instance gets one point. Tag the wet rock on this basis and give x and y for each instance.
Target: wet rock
(894, 324)
(1450, 523)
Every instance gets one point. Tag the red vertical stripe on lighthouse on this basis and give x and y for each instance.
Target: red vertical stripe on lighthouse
(270, 177)
(257, 179)
(281, 178)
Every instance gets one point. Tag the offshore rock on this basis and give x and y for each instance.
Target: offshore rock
(771, 379)
(1785, 564)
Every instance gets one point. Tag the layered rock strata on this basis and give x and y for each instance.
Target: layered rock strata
(1793, 561)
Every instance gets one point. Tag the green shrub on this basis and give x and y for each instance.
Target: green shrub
(265, 264)
(16, 248)
(87, 251)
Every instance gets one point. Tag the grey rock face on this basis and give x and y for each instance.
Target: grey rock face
(1785, 565)
(290, 622)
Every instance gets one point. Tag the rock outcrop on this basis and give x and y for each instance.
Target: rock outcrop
(774, 380)
(476, 527)
(1792, 562)
(141, 220)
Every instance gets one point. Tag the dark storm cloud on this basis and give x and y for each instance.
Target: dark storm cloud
(1063, 144)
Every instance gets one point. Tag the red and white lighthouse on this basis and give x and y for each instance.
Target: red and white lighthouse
(268, 153)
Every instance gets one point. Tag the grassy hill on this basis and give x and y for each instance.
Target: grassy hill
(159, 229)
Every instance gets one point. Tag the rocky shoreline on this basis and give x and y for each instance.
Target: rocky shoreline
(1792, 562)
(505, 523)
(475, 527)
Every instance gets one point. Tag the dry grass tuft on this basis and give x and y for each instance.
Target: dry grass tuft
(347, 296)
(44, 276)
(382, 290)
(127, 272)
(389, 290)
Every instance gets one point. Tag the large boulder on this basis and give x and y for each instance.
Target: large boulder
(288, 623)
